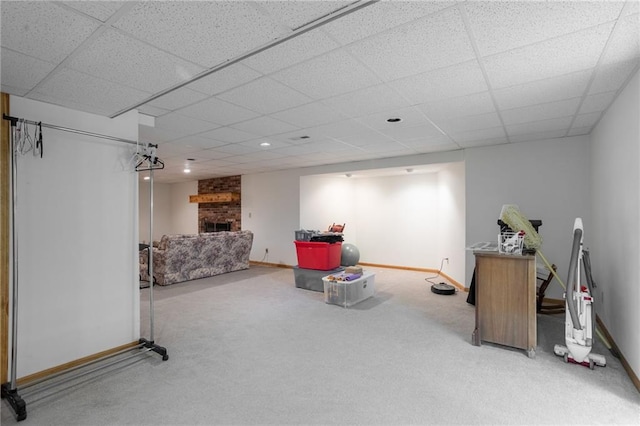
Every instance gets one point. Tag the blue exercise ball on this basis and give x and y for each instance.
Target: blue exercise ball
(350, 255)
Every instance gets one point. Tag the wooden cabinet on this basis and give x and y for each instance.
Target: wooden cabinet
(506, 300)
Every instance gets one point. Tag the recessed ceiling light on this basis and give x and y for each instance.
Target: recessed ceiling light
(394, 120)
(265, 144)
(146, 178)
(187, 170)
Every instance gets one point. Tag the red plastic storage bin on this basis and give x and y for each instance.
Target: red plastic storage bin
(318, 255)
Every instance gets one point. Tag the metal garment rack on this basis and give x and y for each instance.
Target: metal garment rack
(9, 391)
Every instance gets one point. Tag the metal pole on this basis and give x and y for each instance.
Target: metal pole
(151, 255)
(14, 241)
(70, 130)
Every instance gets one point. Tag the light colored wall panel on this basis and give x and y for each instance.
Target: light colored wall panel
(77, 229)
(547, 179)
(615, 232)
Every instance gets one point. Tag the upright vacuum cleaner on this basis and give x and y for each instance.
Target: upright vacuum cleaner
(580, 315)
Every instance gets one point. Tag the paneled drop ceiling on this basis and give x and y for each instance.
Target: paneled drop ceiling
(317, 80)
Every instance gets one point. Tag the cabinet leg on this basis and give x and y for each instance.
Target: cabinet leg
(531, 352)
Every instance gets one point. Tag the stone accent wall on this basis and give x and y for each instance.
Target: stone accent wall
(220, 212)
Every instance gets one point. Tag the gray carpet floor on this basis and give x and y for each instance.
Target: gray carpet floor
(250, 348)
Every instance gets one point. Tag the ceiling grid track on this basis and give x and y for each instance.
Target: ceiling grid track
(616, 25)
(103, 27)
(474, 44)
(298, 32)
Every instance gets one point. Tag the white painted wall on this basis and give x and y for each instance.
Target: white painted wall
(172, 211)
(184, 215)
(271, 206)
(397, 220)
(411, 220)
(548, 180)
(451, 209)
(161, 210)
(615, 229)
(77, 236)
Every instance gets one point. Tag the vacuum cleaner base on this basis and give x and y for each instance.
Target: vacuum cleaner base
(443, 288)
(590, 361)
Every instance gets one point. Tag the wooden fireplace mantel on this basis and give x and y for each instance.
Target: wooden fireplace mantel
(218, 197)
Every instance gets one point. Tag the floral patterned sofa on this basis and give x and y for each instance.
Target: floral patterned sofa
(185, 257)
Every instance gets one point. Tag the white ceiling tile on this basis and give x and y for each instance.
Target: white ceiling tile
(471, 122)
(461, 106)
(21, 71)
(586, 120)
(148, 134)
(366, 138)
(367, 101)
(262, 155)
(401, 134)
(173, 149)
(438, 143)
(558, 56)
(541, 111)
(183, 124)
(539, 136)
(494, 133)
(502, 25)
(291, 52)
(632, 7)
(101, 10)
(579, 131)
(436, 41)
(86, 90)
(295, 150)
(206, 33)
(539, 126)
(410, 117)
(229, 135)
(451, 82)
(204, 156)
(597, 103)
(16, 91)
(611, 77)
(624, 44)
(543, 91)
(224, 79)
(116, 57)
(338, 129)
(98, 109)
(330, 75)
(218, 111)
(392, 149)
(152, 110)
(264, 126)
(265, 96)
(483, 142)
(380, 17)
(236, 149)
(273, 143)
(43, 30)
(313, 114)
(177, 99)
(330, 145)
